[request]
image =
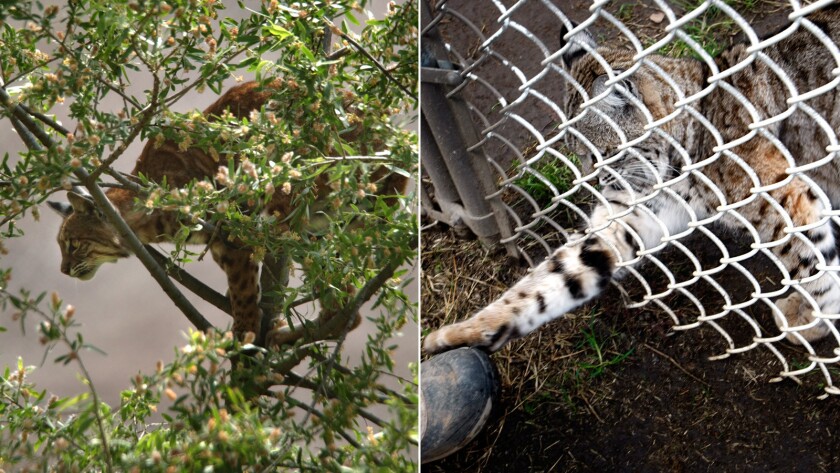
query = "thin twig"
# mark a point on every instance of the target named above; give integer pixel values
(119, 92)
(331, 363)
(34, 68)
(107, 185)
(359, 158)
(382, 389)
(320, 415)
(145, 117)
(364, 52)
(293, 380)
(675, 363)
(105, 443)
(178, 95)
(86, 376)
(46, 120)
(338, 53)
(304, 300)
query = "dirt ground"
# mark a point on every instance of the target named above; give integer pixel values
(615, 389)
(609, 388)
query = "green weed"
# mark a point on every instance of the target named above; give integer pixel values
(626, 12)
(712, 30)
(599, 355)
(554, 171)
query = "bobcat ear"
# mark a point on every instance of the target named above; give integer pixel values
(81, 203)
(575, 44)
(62, 208)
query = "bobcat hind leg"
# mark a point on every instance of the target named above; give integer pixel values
(802, 263)
(798, 312)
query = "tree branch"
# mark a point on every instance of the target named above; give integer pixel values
(28, 138)
(123, 179)
(46, 120)
(31, 128)
(111, 213)
(324, 329)
(138, 249)
(337, 54)
(191, 282)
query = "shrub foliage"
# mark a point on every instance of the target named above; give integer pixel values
(86, 50)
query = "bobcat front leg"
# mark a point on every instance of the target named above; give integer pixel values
(570, 276)
(243, 286)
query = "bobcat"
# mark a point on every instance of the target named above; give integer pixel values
(87, 240)
(682, 164)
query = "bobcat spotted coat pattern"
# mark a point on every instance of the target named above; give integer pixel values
(87, 240)
(574, 274)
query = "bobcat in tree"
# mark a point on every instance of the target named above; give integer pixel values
(693, 175)
(87, 239)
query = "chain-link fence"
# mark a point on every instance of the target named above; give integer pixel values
(540, 114)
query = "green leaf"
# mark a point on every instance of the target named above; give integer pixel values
(307, 52)
(352, 18)
(279, 32)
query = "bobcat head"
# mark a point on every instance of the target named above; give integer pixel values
(623, 97)
(616, 111)
(86, 238)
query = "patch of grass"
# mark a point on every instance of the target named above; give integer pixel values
(710, 30)
(551, 170)
(626, 12)
(744, 5)
(713, 29)
(598, 348)
(600, 353)
(583, 377)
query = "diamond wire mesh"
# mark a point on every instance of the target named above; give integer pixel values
(513, 84)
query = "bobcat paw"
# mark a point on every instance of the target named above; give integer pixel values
(482, 334)
(433, 343)
(455, 336)
(798, 312)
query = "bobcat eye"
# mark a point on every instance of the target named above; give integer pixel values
(73, 245)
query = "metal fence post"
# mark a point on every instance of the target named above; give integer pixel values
(461, 176)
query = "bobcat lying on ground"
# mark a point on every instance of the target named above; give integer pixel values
(87, 239)
(576, 273)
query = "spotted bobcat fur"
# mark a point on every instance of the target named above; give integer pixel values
(87, 239)
(679, 152)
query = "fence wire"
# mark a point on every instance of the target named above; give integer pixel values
(502, 61)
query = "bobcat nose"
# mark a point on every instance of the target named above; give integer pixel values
(65, 267)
